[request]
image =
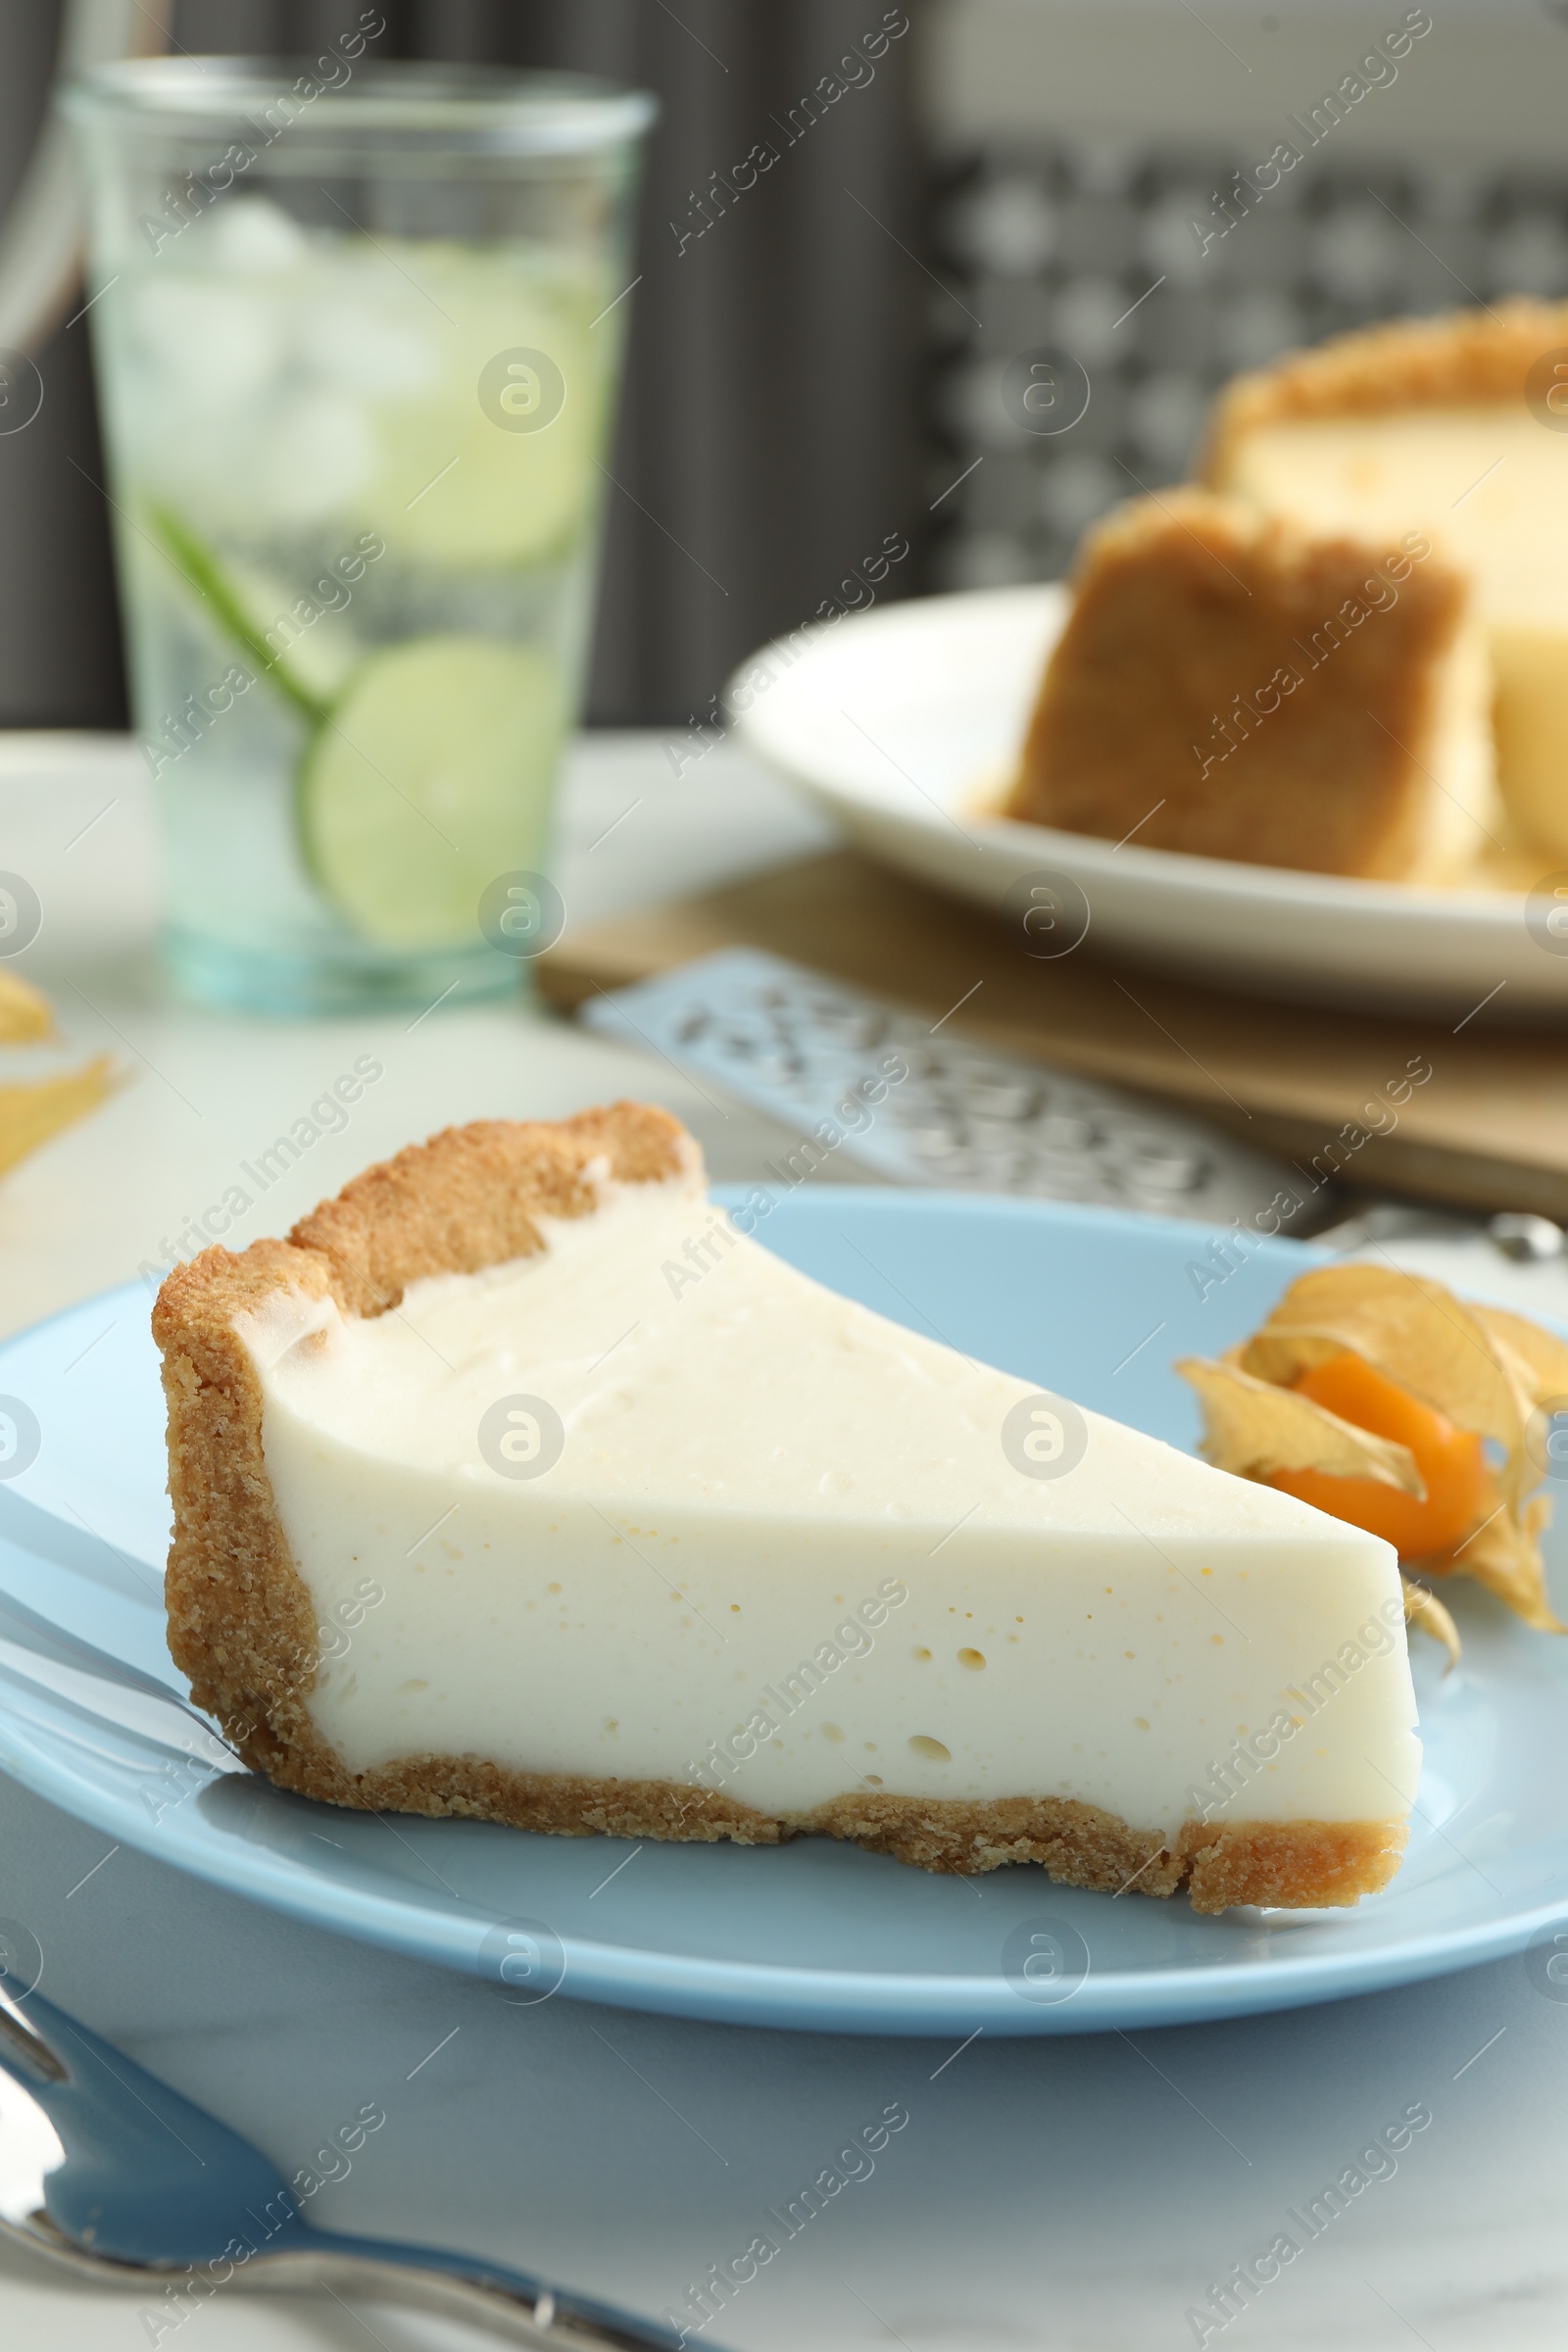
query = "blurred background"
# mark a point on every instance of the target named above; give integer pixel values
(816, 363)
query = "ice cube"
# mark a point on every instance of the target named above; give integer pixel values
(352, 345)
(208, 342)
(316, 454)
(251, 234)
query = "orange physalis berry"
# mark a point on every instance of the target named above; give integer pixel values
(1460, 1489)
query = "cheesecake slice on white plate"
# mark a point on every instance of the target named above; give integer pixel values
(518, 1483)
(1457, 427)
(1230, 684)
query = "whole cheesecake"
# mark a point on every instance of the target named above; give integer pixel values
(518, 1484)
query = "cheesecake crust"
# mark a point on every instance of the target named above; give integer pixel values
(1464, 360)
(241, 1623)
(1231, 686)
(1296, 1864)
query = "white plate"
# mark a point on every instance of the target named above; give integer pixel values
(900, 721)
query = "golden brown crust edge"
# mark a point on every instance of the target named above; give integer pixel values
(1466, 358)
(468, 1198)
(1299, 1864)
(241, 1624)
(1185, 604)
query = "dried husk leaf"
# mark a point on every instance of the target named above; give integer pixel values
(1252, 1427)
(1482, 1367)
(1538, 1359)
(1424, 1609)
(1406, 1326)
(25, 1015)
(30, 1114)
(1504, 1555)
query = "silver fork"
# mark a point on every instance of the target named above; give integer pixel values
(107, 2172)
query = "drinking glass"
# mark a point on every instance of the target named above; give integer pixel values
(358, 328)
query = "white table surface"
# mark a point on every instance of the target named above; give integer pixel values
(1078, 2194)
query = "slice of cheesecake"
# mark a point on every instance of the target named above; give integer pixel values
(1456, 427)
(519, 1484)
(1233, 686)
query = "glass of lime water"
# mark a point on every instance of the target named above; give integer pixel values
(359, 329)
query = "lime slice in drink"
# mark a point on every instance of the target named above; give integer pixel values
(319, 656)
(490, 463)
(427, 779)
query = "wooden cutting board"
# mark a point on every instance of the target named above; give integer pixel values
(1486, 1128)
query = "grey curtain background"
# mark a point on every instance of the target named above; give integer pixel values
(60, 660)
(770, 424)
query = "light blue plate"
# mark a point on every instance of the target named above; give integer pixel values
(812, 1935)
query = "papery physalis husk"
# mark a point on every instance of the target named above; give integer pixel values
(1403, 1325)
(25, 1015)
(1425, 1609)
(1480, 1367)
(30, 1114)
(1254, 1428)
(1504, 1554)
(1538, 1359)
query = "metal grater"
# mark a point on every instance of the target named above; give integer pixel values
(795, 1045)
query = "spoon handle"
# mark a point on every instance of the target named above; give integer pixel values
(503, 2302)
(499, 2301)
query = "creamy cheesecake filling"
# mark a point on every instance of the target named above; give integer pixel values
(1488, 484)
(784, 1552)
(1530, 663)
(1461, 759)
(1491, 486)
